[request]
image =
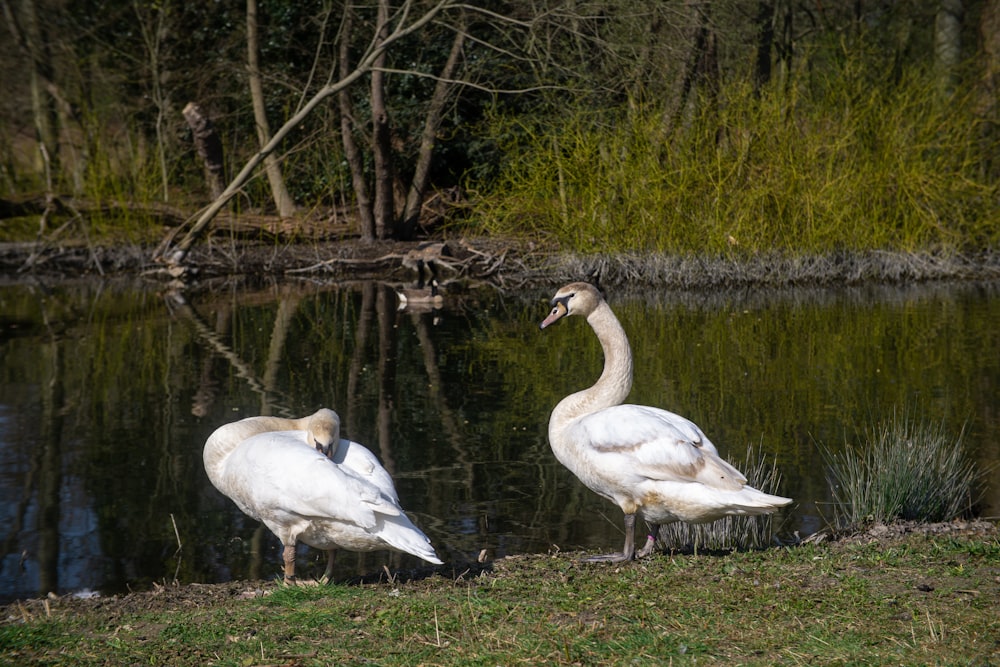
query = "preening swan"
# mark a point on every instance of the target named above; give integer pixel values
(306, 483)
(646, 460)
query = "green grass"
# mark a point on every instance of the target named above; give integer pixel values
(901, 469)
(913, 599)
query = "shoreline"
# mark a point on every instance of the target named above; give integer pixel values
(500, 261)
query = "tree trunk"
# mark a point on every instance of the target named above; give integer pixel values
(701, 67)
(988, 93)
(421, 174)
(381, 136)
(33, 40)
(765, 42)
(282, 199)
(209, 147)
(948, 43)
(366, 218)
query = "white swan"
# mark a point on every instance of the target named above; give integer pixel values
(306, 483)
(646, 460)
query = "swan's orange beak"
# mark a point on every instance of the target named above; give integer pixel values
(559, 311)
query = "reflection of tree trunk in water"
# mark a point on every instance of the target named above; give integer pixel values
(365, 318)
(279, 334)
(50, 472)
(385, 306)
(265, 386)
(204, 396)
(214, 341)
(257, 542)
(449, 423)
(171, 464)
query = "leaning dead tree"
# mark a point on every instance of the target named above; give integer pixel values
(209, 147)
(397, 26)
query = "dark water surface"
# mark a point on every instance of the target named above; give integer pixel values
(108, 391)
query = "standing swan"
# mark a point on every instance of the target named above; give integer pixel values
(307, 484)
(646, 460)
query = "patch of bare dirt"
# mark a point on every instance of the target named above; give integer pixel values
(900, 530)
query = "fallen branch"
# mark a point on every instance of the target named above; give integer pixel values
(342, 260)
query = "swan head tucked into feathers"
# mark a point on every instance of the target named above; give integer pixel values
(573, 299)
(324, 430)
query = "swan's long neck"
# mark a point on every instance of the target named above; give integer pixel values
(228, 437)
(616, 380)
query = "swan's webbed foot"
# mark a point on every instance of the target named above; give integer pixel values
(650, 546)
(628, 551)
(327, 577)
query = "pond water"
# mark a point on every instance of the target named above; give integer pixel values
(109, 389)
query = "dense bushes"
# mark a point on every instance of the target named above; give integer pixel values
(811, 169)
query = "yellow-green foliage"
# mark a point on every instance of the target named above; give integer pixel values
(837, 165)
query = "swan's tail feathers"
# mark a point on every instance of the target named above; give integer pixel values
(758, 502)
(400, 533)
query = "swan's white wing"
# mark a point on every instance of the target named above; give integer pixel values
(278, 474)
(358, 459)
(640, 442)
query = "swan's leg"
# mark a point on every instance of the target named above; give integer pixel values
(331, 554)
(627, 552)
(288, 555)
(650, 547)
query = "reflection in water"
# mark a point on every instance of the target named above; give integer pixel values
(109, 391)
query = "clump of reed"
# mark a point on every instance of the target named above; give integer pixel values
(732, 532)
(903, 469)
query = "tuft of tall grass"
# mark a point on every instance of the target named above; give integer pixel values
(904, 469)
(819, 167)
(121, 171)
(731, 532)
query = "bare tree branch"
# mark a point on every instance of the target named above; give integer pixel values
(178, 254)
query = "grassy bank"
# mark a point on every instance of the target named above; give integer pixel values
(896, 595)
